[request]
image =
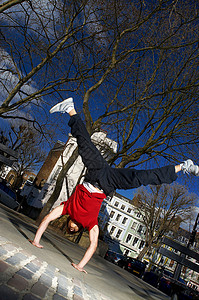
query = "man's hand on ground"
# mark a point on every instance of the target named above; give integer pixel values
(35, 244)
(78, 268)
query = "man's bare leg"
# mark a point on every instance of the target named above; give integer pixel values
(54, 214)
(72, 112)
(178, 168)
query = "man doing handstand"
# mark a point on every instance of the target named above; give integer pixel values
(84, 204)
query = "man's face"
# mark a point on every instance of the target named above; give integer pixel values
(72, 226)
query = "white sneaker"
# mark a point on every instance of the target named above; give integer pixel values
(189, 167)
(65, 106)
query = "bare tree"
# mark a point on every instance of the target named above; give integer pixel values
(162, 208)
(27, 142)
(139, 58)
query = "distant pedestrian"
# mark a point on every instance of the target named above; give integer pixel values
(100, 180)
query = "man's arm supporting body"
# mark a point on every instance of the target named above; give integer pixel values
(54, 214)
(93, 235)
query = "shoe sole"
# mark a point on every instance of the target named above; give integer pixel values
(69, 100)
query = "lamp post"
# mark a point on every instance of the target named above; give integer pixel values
(193, 233)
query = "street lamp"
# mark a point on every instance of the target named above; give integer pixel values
(193, 233)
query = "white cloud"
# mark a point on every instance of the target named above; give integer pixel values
(9, 78)
(37, 17)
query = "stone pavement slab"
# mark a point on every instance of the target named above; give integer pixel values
(29, 273)
(26, 277)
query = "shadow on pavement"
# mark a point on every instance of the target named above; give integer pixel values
(144, 293)
(16, 224)
(140, 290)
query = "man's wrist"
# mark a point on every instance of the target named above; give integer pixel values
(80, 265)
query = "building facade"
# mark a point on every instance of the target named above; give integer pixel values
(124, 231)
(122, 225)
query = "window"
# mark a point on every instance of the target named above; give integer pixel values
(108, 198)
(141, 245)
(118, 233)
(112, 214)
(134, 225)
(118, 217)
(138, 215)
(124, 220)
(112, 230)
(129, 236)
(135, 241)
(129, 210)
(11, 178)
(161, 260)
(56, 173)
(123, 207)
(140, 229)
(126, 252)
(116, 203)
(171, 263)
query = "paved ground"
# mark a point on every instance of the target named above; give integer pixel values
(29, 273)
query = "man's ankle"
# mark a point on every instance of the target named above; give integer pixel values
(178, 168)
(72, 112)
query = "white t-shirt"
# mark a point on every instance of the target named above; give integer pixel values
(91, 188)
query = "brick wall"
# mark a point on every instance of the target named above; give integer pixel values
(49, 163)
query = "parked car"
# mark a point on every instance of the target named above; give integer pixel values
(165, 285)
(165, 282)
(161, 279)
(151, 277)
(113, 257)
(133, 265)
(8, 196)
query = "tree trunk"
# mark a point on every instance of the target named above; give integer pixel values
(53, 198)
(17, 182)
(143, 252)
